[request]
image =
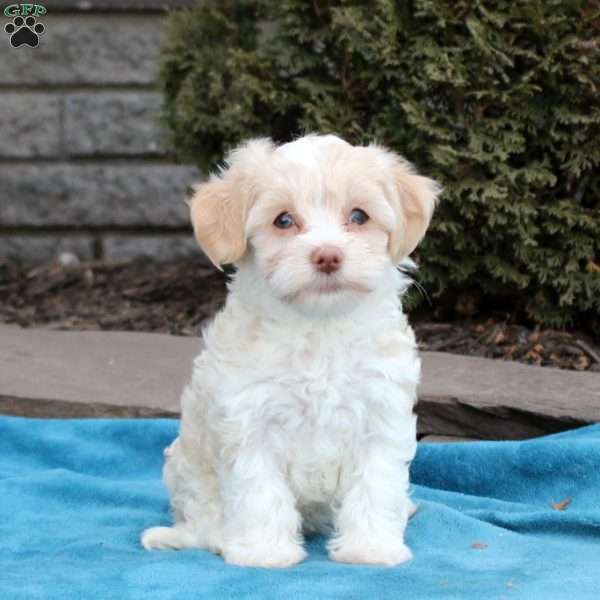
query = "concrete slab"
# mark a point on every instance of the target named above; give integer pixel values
(88, 374)
(492, 399)
(92, 373)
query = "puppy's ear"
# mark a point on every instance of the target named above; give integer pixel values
(219, 208)
(413, 205)
(219, 216)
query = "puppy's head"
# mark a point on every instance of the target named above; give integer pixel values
(321, 220)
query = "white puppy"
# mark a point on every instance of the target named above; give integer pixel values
(299, 415)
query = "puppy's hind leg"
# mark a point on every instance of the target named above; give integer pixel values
(195, 503)
(177, 537)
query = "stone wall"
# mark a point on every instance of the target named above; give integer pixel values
(83, 166)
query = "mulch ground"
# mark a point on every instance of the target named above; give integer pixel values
(177, 297)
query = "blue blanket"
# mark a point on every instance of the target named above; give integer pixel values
(75, 495)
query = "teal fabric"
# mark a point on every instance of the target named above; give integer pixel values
(75, 495)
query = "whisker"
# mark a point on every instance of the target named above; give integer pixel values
(405, 269)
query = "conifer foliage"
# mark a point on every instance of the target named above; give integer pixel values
(497, 99)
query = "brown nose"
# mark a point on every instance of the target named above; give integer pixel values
(327, 259)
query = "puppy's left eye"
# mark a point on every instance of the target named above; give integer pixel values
(358, 217)
(284, 221)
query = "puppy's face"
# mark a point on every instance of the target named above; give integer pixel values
(322, 220)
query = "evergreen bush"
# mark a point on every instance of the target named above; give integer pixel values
(497, 99)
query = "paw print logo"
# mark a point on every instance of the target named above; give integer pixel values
(24, 31)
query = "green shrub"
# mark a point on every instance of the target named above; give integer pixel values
(497, 99)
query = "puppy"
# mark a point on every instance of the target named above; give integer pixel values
(299, 415)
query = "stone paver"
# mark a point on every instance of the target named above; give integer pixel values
(135, 371)
(53, 373)
(491, 383)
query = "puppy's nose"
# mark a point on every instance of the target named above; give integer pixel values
(327, 259)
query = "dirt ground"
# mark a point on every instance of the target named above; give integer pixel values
(177, 297)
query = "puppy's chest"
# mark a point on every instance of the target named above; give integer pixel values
(310, 388)
(328, 392)
(327, 402)
(316, 399)
(322, 381)
(322, 376)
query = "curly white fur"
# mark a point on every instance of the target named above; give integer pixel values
(299, 415)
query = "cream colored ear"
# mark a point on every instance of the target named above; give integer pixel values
(219, 219)
(219, 208)
(414, 206)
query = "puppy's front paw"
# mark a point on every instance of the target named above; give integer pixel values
(369, 553)
(264, 555)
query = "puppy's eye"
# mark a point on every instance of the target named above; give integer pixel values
(284, 221)
(358, 217)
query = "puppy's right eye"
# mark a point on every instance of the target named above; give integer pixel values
(284, 221)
